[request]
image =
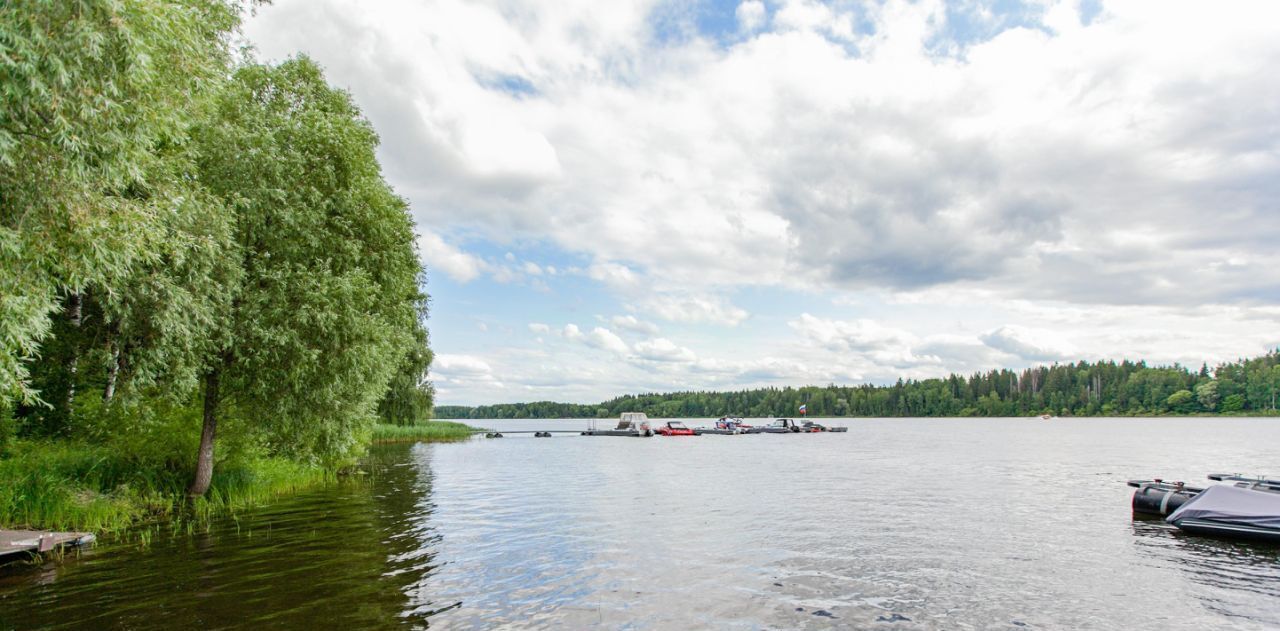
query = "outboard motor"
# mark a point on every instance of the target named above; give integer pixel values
(1159, 498)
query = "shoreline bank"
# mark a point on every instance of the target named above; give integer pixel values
(75, 485)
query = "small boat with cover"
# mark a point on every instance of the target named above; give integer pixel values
(1249, 508)
(1231, 511)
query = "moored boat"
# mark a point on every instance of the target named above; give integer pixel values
(1231, 511)
(727, 425)
(1249, 508)
(778, 426)
(635, 424)
(675, 428)
(811, 426)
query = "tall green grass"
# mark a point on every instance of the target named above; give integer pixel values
(430, 431)
(111, 485)
(70, 485)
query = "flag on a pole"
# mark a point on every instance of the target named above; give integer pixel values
(804, 409)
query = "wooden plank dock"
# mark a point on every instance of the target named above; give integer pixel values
(17, 544)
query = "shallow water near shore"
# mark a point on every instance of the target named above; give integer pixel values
(898, 524)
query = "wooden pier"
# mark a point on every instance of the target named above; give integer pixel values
(18, 544)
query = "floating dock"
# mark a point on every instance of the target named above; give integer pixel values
(19, 544)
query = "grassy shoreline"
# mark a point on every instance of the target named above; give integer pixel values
(76, 485)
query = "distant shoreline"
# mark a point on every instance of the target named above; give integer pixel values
(1262, 414)
(1245, 387)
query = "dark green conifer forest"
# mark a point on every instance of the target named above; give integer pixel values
(1103, 388)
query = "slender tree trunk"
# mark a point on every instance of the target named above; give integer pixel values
(113, 367)
(74, 314)
(204, 462)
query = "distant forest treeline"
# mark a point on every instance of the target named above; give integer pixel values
(1080, 389)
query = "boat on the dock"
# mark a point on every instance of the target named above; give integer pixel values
(634, 424)
(778, 426)
(727, 426)
(21, 544)
(675, 428)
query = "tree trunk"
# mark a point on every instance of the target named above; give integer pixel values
(113, 367)
(74, 311)
(204, 462)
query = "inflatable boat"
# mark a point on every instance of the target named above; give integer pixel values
(1248, 508)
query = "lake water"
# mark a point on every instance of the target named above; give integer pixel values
(898, 524)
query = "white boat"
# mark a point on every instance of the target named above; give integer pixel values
(634, 424)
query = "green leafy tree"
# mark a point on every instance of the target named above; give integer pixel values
(329, 296)
(89, 90)
(1232, 403)
(1180, 401)
(1207, 395)
(409, 396)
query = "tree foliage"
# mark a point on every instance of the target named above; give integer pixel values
(329, 298)
(185, 231)
(1079, 389)
(91, 91)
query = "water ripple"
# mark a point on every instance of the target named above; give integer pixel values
(899, 524)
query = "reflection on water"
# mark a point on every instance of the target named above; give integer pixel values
(1238, 579)
(344, 556)
(899, 524)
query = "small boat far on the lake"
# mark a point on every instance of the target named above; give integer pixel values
(810, 426)
(1249, 508)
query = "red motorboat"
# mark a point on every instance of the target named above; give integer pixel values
(675, 428)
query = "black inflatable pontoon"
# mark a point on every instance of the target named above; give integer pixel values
(1159, 498)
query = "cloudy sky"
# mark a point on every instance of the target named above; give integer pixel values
(633, 196)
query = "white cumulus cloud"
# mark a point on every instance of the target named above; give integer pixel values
(663, 350)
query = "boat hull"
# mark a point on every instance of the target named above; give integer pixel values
(1228, 529)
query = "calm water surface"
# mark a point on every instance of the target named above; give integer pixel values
(898, 524)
